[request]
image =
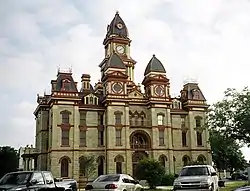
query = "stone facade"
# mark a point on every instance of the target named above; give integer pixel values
(116, 121)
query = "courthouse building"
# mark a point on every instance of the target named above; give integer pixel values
(115, 120)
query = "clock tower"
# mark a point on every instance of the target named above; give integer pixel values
(117, 41)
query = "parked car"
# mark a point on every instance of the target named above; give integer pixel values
(197, 177)
(114, 182)
(34, 180)
(239, 176)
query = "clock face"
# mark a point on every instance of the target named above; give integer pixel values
(117, 87)
(120, 49)
(119, 26)
(159, 90)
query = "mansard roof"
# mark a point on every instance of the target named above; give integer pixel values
(117, 27)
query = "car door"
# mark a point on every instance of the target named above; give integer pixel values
(37, 182)
(49, 181)
(127, 183)
(214, 178)
(133, 182)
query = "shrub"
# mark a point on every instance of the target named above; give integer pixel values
(167, 180)
(150, 170)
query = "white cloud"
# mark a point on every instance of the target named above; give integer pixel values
(208, 39)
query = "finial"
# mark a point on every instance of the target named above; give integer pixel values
(117, 12)
(153, 55)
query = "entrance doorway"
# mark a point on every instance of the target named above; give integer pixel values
(136, 157)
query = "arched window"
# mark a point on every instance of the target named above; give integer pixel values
(65, 166)
(185, 160)
(140, 140)
(201, 159)
(162, 160)
(100, 162)
(119, 160)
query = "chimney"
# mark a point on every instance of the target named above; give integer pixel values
(85, 82)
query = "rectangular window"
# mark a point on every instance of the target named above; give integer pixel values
(65, 137)
(160, 119)
(65, 118)
(100, 119)
(184, 139)
(101, 137)
(118, 167)
(82, 138)
(91, 100)
(199, 138)
(118, 119)
(83, 118)
(142, 121)
(161, 137)
(198, 123)
(118, 137)
(182, 122)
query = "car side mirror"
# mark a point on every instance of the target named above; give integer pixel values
(136, 182)
(32, 182)
(176, 175)
(213, 174)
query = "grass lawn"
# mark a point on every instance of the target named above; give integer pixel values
(230, 186)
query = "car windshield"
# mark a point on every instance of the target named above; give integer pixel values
(194, 171)
(108, 178)
(16, 178)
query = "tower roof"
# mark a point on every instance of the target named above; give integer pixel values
(115, 62)
(117, 27)
(154, 65)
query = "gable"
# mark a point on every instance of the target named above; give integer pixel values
(118, 74)
(135, 94)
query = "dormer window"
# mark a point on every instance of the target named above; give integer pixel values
(91, 100)
(66, 85)
(196, 94)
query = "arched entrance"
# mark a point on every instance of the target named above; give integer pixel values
(136, 157)
(140, 140)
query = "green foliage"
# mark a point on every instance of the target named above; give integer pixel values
(195, 163)
(88, 166)
(150, 170)
(226, 152)
(231, 116)
(8, 160)
(167, 180)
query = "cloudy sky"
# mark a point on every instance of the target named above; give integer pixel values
(208, 40)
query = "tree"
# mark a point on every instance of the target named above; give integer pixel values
(88, 166)
(226, 152)
(231, 116)
(150, 170)
(8, 160)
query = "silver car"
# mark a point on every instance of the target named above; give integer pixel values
(113, 182)
(197, 177)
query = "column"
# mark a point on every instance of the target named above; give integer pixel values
(170, 145)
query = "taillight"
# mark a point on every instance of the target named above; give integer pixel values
(88, 187)
(110, 186)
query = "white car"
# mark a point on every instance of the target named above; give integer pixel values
(112, 182)
(197, 177)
